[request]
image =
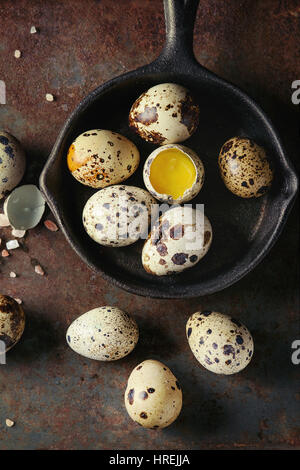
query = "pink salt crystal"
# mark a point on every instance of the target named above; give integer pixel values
(19, 301)
(39, 270)
(4, 253)
(51, 225)
(12, 274)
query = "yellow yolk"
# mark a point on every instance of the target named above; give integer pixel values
(172, 172)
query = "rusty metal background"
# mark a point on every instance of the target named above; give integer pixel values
(60, 400)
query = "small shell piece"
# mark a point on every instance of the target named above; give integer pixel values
(164, 114)
(100, 158)
(219, 342)
(153, 397)
(24, 207)
(12, 163)
(12, 321)
(179, 240)
(173, 173)
(104, 334)
(245, 168)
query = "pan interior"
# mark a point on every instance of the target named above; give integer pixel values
(241, 227)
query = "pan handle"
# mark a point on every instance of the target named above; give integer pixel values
(180, 17)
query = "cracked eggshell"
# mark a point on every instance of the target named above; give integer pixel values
(166, 113)
(245, 168)
(153, 397)
(12, 163)
(100, 158)
(104, 334)
(179, 240)
(118, 216)
(24, 207)
(219, 342)
(189, 193)
(12, 322)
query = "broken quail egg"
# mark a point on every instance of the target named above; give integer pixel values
(118, 215)
(12, 322)
(219, 342)
(173, 174)
(153, 397)
(24, 207)
(12, 163)
(179, 240)
(245, 168)
(166, 113)
(104, 334)
(99, 158)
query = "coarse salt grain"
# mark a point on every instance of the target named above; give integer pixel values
(9, 423)
(4, 222)
(49, 97)
(33, 30)
(39, 270)
(51, 225)
(19, 301)
(12, 244)
(4, 253)
(18, 233)
(12, 274)
(17, 54)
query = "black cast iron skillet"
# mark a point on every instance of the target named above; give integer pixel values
(244, 229)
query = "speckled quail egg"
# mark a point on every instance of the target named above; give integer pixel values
(178, 240)
(119, 215)
(245, 168)
(219, 342)
(173, 174)
(164, 114)
(12, 322)
(12, 163)
(104, 334)
(99, 158)
(153, 397)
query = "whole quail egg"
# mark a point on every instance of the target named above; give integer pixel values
(119, 215)
(178, 240)
(173, 173)
(12, 322)
(99, 158)
(153, 397)
(104, 334)
(245, 168)
(12, 163)
(219, 342)
(166, 113)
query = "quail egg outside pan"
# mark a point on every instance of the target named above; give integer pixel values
(244, 230)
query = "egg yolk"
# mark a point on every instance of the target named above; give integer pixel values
(172, 172)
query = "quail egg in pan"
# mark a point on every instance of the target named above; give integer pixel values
(119, 215)
(12, 322)
(173, 173)
(245, 168)
(178, 241)
(153, 397)
(104, 334)
(12, 163)
(219, 342)
(166, 113)
(100, 158)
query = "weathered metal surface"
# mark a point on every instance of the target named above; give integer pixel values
(60, 400)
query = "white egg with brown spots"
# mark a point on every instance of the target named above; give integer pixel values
(12, 322)
(219, 342)
(245, 168)
(119, 215)
(104, 334)
(166, 113)
(173, 173)
(179, 240)
(153, 396)
(100, 158)
(12, 163)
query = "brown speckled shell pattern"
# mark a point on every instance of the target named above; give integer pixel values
(166, 113)
(104, 334)
(219, 342)
(110, 158)
(245, 168)
(153, 396)
(190, 193)
(12, 321)
(12, 163)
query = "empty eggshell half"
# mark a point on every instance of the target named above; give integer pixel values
(24, 207)
(173, 173)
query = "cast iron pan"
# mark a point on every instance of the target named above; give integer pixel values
(244, 229)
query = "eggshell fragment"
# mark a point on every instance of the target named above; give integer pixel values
(104, 334)
(153, 396)
(12, 321)
(12, 162)
(219, 342)
(166, 113)
(24, 207)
